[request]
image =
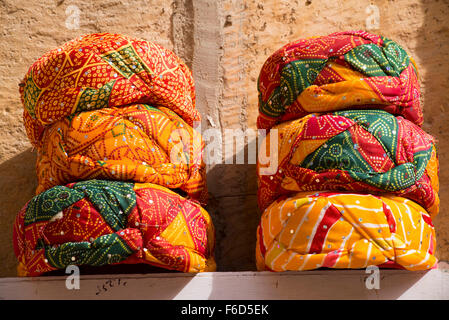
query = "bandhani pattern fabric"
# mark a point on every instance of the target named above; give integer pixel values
(352, 150)
(330, 230)
(98, 222)
(137, 143)
(103, 70)
(344, 70)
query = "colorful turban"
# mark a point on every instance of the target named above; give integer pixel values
(136, 143)
(344, 70)
(310, 231)
(99, 222)
(353, 150)
(104, 70)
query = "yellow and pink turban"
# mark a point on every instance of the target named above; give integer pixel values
(344, 230)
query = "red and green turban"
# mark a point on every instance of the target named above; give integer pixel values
(344, 70)
(98, 222)
(352, 150)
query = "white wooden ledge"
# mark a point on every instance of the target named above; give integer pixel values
(325, 284)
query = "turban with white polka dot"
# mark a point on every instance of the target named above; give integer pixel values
(98, 222)
(344, 230)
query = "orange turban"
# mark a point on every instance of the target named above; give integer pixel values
(134, 143)
(104, 70)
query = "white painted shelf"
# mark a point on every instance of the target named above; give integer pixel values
(320, 284)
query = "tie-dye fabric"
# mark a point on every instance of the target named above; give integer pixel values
(137, 143)
(104, 70)
(315, 230)
(344, 70)
(353, 150)
(98, 222)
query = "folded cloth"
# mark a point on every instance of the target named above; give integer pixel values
(314, 230)
(137, 143)
(344, 70)
(100, 222)
(104, 70)
(353, 150)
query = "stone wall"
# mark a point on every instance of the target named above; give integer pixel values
(225, 44)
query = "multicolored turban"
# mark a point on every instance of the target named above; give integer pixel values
(104, 70)
(309, 231)
(344, 70)
(353, 150)
(98, 222)
(136, 143)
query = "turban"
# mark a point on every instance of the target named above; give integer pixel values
(309, 231)
(136, 143)
(104, 70)
(344, 70)
(98, 222)
(353, 150)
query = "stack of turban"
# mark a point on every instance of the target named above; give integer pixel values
(121, 176)
(356, 178)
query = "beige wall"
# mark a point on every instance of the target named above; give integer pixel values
(225, 43)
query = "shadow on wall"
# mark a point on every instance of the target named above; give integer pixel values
(432, 51)
(233, 208)
(17, 186)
